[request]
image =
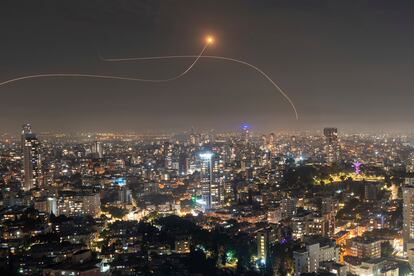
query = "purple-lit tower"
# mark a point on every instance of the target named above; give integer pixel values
(357, 167)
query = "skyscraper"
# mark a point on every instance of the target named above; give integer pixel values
(331, 144)
(97, 149)
(408, 212)
(210, 182)
(124, 195)
(262, 246)
(31, 158)
(245, 134)
(271, 142)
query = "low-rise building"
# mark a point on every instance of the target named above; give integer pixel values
(364, 247)
(316, 251)
(374, 267)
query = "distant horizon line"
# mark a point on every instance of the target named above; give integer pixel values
(309, 131)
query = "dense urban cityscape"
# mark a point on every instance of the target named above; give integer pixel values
(206, 137)
(209, 203)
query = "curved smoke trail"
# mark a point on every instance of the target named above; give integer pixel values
(287, 98)
(197, 57)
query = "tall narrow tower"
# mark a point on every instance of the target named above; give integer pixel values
(262, 246)
(408, 212)
(210, 184)
(331, 144)
(97, 149)
(31, 158)
(245, 134)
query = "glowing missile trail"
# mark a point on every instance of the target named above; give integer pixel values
(209, 41)
(288, 99)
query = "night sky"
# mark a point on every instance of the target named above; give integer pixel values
(347, 64)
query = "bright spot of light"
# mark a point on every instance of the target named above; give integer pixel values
(210, 39)
(206, 155)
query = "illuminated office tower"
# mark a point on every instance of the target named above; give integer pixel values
(47, 205)
(31, 158)
(331, 144)
(210, 182)
(97, 149)
(262, 246)
(264, 141)
(52, 206)
(271, 141)
(288, 206)
(408, 212)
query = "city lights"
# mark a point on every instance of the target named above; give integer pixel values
(124, 150)
(206, 155)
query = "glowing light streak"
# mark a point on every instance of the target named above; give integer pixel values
(209, 40)
(97, 76)
(257, 69)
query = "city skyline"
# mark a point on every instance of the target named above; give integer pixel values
(206, 137)
(341, 203)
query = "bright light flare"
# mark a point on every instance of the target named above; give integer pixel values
(210, 39)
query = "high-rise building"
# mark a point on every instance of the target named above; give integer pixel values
(245, 134)
(262, 246)
(72, 203)
(47, 205)
(271, 139)
(318, 225)
(288, 206)
(331, 144)
(124, 195)
(409, 249)
(31, 158)
(210, 182)
(410, 163)
(52, 205)
(329, 205)
(408, 212)
(97, 149)
(183, 164)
